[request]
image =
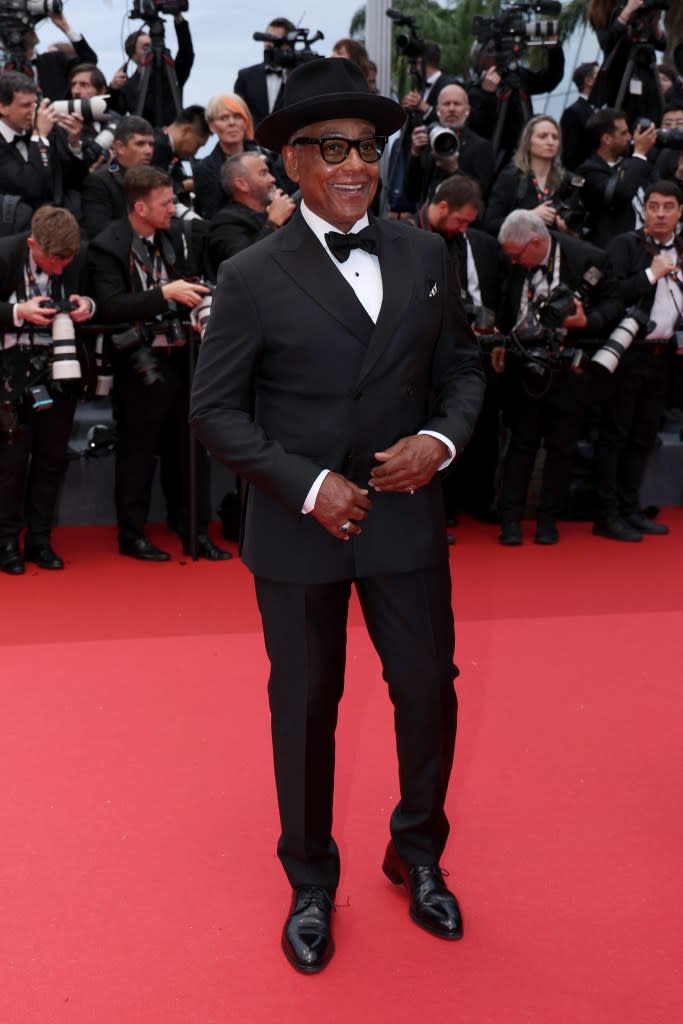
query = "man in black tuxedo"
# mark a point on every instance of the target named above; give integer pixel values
(261, 85)
(427, 167)
(614, 182)
(336, 363)
(176, 143)
(35, 161)
(649, 268)
(143, 274)
(547, 405)
(50, 71)
(86, 82)
(37, 395)
(576, 142)
(103, 198)
(456, 205)
(255, 209)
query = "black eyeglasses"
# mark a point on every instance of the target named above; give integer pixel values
(334, 149)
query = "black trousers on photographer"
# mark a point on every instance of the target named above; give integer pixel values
(32, 465)
(152, 422)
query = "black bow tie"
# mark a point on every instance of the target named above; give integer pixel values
(341, 245)
(274, 71)
(665, 248)
(22, 138)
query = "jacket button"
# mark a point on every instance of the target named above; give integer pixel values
(359, 394)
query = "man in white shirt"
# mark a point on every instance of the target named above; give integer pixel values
(337, 376)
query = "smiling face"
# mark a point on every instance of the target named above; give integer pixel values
(339, 193)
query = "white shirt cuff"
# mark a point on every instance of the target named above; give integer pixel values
(309, 503)
(640, 156)
(449, 445)
(650, 276)
(18, 322)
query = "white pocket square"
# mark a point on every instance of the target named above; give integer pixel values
(433, 291)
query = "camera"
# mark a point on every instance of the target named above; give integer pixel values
(623, 335)
(443, 141)
(670, 138)
(105, 379)
(408, 45)
(65, 361)
(514, 28)
(100, 145)
(290, 50)
(22, 382)
(134, 342)
(199, 315)
(16, 16)
(90, 110)
(567, 201)
(150, 10)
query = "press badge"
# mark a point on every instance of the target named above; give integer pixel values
(636, 87)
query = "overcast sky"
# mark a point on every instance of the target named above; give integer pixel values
(221, 32)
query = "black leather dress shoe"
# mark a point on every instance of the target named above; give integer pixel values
(647, 525)
(546, 531)
(208, 550)
(432, 905)
(617, 529)
(511, 534)
(307, 935)
(43, 556)
(10, 559)
(142, 548)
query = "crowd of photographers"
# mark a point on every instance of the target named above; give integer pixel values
(565, 237)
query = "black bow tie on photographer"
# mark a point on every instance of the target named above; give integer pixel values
(274, 71)
(341, 245)
(665, 248)
(21, 138)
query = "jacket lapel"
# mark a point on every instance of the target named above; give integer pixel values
(396, 298)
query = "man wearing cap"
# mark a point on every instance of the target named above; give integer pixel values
(337, 376)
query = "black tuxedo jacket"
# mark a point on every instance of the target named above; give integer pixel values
(250, 84)
(115, 285)
(234, 228)
(608, 194)
(488, 264)
(630, 258)
(102, 200)
(605, 305)
(13, 252)
(293, 377)
(576, 143)
(31, 179)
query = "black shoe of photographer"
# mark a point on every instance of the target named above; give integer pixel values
(43, 556)
(208, 550)
(511, 533)
(647, 525)
(307, 935)
(432, 905)
(546, 531)
(617, 528)
(142, 549)
(10, 560)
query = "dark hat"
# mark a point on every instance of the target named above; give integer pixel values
(323, 89)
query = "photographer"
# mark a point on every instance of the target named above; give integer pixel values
(142, 273)
(649, 267)
(503, 79)
(86, 82)
(547, 399)
(456, 149)
(179, 142)
(261, 85)
(576, 143)
(35, 160)
(613, 180)
(629, 32)
(103, 198)
(670, 160)
(125, 91)
(35, 270)
(50, 70)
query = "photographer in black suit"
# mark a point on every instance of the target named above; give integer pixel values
(547, 405)
(649, 268)
(103, 199)
(142, 271)
(50, 71)
(576, 143)
(261, 85)
(35, 425)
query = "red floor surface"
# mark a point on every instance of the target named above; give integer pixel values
(138, 881)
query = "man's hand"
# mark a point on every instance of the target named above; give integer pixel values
(413, 101)
(491, 80)
(644, 139)
(449, 164)
(35, 311)
(545, 212)
(119, 79)
(418, 140)
(339, 502)
(73, 126)
(408, 464)
(281, 207)
(661, 265)
(60, 21)
(189, 293)
(578, 318)
(83, 310)
(498, 358)
(45, 118)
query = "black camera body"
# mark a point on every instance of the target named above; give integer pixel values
(17, 16)
(669, 138)
(290, 50)
(639, 26)
(513, 29)
(151, 10)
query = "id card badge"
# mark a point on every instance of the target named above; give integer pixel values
(636, 87)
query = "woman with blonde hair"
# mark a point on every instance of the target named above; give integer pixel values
(229, 118)
(533, 178)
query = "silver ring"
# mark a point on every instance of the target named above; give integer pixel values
(412, 491)
(345, 526)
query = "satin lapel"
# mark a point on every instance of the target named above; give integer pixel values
(397, 289)
(311, 269)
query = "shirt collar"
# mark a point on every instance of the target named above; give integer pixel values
(320, 227)
(7, 132)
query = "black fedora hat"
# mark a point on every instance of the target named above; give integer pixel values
(323, 89)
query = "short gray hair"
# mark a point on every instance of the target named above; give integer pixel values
(522, 226)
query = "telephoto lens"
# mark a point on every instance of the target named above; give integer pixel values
(621, 338)
(105, 380)
(199, 316)
(90, 110)
(65, 364)
(443, 141)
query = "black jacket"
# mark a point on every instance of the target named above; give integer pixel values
(608, 194)
(577, 145)
(125, 100)
(233, 228)
(54, 66)
(631, 255)
(102, 199)
(617, 45)
(250, 84)
(475, 158)
(38, 181)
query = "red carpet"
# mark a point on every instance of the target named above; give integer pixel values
(138, 881)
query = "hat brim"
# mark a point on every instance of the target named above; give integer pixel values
(386, 115)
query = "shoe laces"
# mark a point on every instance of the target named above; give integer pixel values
(314, 895)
